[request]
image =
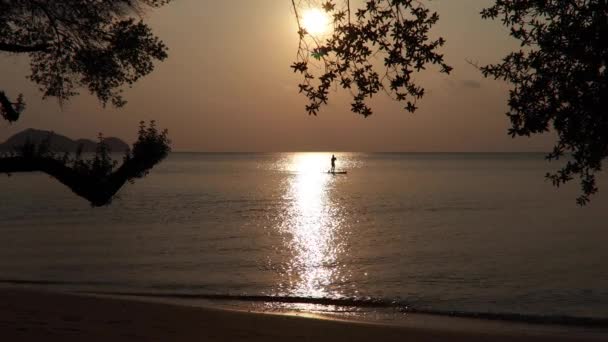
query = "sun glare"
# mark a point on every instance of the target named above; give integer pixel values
(315, 21)
(313, 228)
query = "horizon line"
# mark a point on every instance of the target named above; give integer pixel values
(379, 152)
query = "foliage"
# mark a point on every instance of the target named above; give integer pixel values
(395, 30)
(150, 148)
(10, 111)
(98, 45)
(559, 80)
(96, 179)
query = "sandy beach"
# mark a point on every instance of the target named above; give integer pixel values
(27, 315)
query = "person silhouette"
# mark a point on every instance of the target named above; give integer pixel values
(333, 163)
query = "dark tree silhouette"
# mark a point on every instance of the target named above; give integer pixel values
(559, 80)
(396, 32)
(96, 179)
(559, 76)
(98, 45)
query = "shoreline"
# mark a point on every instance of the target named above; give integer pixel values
(322, 305)
(378, 304)
(32, 315)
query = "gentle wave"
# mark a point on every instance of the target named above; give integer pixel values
(365, 302)
(52, 282)
(377, 303)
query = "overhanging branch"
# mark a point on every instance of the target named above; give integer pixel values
(8, 110)
(99, 191)
(16, 48)
(94, 179)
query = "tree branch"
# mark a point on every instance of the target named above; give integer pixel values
(98, 191)
(8, 110)
(16, 48)
(93, 179)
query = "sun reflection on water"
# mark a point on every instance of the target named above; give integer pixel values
(312, 226)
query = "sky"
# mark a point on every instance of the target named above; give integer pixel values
(227, 86)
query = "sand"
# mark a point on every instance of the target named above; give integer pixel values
(27, 315)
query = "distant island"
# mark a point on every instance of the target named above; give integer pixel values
(59, 143)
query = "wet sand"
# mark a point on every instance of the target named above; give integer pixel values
(27, 315)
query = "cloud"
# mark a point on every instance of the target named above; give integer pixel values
(470, 84)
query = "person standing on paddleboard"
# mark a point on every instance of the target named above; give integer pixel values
(333, 163)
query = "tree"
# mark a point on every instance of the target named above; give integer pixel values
(97, 179)
(93, 44)
(559, 76)
(559, 80)
(395, 31)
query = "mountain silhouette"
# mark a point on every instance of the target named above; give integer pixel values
(58, 142)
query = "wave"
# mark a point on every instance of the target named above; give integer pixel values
(51, 282)
(347, 302)
(377, 303)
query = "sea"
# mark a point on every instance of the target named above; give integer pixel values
(480, 235)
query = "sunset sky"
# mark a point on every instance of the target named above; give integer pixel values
(227, 86)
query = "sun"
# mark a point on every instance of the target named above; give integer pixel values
(315, 21)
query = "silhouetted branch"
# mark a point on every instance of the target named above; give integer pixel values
(8, 110)
(100, 46)
(95, 179)
(16, 48)
(559, 80)
(97, 45)
(472, 63)
(395, 31)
